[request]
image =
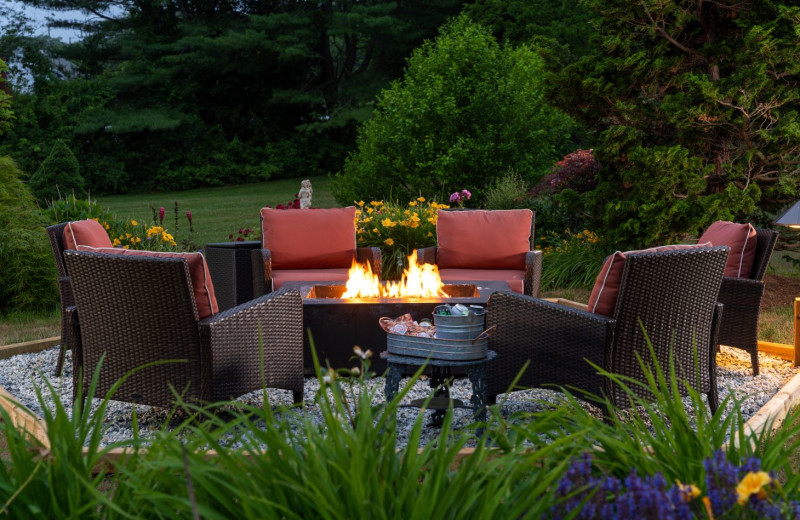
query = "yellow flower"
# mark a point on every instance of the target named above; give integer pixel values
(106, 226)
(375, 230)
(412, 203)
(126, 246)
(421, 199)
(753, 484)
(134, 223)
(688, 491)
(376, 203)
(432, 220)
(429, 234)
(116, 242)
(370, 210)
(387, 222)
(389, 242)
(360, 202)
(127, 235)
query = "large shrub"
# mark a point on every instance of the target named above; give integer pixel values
(695, 105)
(465, 112)
(28, 273)
(59, 173)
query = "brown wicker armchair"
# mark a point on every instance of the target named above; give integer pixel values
(475, 239)
(672, 294)
(56, 234)
(133, 310)
(742, 300)
(310, 245)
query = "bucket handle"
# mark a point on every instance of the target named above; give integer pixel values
(486, 334)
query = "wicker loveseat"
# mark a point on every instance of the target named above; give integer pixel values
(671, 294)
(134, 310)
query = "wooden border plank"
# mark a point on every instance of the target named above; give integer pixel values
(28, 347)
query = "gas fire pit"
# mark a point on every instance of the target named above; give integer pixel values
(337, 324)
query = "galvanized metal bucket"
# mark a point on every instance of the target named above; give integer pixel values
(465, 326)
(441, 349)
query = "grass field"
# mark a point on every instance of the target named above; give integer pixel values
(216, 212)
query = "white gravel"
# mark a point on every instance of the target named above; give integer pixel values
(20, 375)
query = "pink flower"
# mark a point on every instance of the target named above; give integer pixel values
(161, 214)
(189, 216)
(455, 197)
(466, 194)
(279, 206)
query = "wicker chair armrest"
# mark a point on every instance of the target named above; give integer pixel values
(261, 260)
(75, 344)
(231, 340)
(742, 300)
(568, 303)
(426, 255)
(533, 273)
(555, 338)
(371, 256)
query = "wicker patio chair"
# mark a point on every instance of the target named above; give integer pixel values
(484, 245)
(133, 310)
(742, 300)
(56, 234)
(672, 294)
(309, 245)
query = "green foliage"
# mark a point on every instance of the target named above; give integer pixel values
(59, 173)
(5, 100)
(28, 274)
(506, 192)
(696, 110)
(571, 260)
(69, 208)
(172, 95)
(348, 465)
(465, 111)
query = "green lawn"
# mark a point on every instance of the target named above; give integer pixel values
(216, 212)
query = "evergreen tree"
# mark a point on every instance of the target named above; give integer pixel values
(58, 175)
(696, 109)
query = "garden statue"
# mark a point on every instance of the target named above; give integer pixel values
(305, 194)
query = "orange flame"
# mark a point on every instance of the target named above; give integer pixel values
(418, 281)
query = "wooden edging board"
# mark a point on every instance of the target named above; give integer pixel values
(770, 415)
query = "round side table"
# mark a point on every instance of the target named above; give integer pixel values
(440, 373)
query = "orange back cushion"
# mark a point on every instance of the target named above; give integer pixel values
(309, 238)
(603, 299)
(85, 233)
(741, 238)
(483, 239)
(203, 288)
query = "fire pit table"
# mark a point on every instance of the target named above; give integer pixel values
(441, 373)
(337, 324)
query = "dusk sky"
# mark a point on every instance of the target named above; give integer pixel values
(40, 15)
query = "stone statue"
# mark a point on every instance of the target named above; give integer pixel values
(305, 194)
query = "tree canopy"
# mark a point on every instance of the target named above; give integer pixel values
(465, 111)
(695, 105)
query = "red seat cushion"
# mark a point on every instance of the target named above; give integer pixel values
(483, 239)
(309, 238)
(203, 288)
(513, 277)
(308, 275)
(603, 299)
(85, 233)
(741, 238)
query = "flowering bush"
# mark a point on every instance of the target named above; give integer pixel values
(460, 197)
(244, 234)
(397, 229)
(728, 491)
